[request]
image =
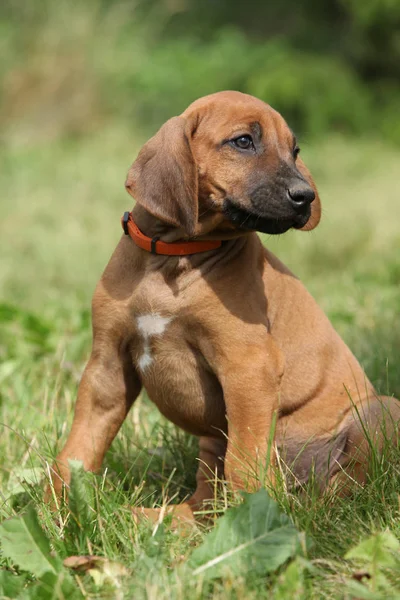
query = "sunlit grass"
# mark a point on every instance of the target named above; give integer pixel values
(61, 204)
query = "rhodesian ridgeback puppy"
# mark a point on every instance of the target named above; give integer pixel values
(225, 339)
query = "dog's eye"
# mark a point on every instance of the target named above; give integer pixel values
(244, 142)
(296, 151)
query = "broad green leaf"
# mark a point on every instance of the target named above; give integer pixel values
(377, 550)
(24, 542)
(377, 554)
(361, 592)
(253, 537)
(10, 584)
(20, 477)
(58, 586)
(292, 582)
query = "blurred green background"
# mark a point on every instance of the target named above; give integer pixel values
(70, 68)
(84, 84)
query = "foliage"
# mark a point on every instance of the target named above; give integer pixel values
(378, 558)
(254, 537)
(82, 84)
(331, 66)
(24, 542)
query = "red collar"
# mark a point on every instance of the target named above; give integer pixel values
(170, 249)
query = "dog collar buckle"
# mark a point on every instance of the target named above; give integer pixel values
(153, 243)
(124, 222)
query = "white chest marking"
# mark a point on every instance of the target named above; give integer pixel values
(149, 325)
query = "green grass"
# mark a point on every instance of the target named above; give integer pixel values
(61, 205)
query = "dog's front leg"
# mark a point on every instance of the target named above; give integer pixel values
(251, 382)
(107, 390)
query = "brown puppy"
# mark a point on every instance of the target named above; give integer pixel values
(224, 340)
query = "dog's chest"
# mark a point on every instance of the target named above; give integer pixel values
(151, 335)
(175, 375)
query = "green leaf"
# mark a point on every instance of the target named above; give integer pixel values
(292, 582)
(377, 554)
(52, 586)
(361, 592)
(253, 537)
(24, 542)
(80, 498)
(10, 584)
(378, 550)
(20, 478)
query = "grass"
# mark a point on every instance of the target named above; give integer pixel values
(61, 203)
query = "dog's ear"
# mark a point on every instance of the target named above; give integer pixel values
(316, 204)
(163, 178)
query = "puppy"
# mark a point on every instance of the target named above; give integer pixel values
(225, 339)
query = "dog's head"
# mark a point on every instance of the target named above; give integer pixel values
(231, 155)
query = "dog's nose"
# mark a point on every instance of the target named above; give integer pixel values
(300, 195)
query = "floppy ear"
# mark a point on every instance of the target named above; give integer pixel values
(163, 178)
(316, 204)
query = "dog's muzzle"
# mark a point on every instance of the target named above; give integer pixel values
(252, 220)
